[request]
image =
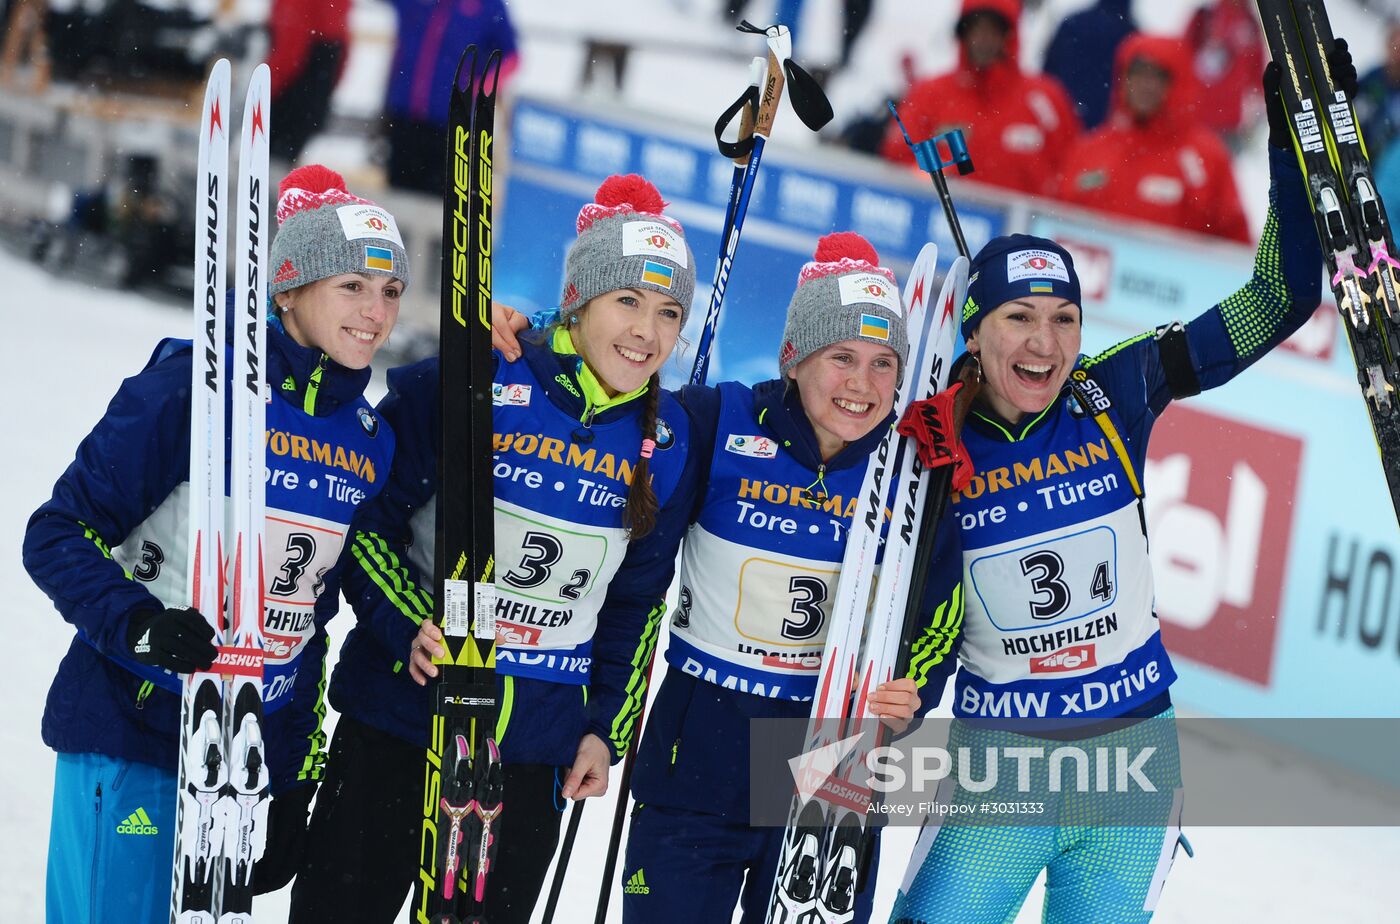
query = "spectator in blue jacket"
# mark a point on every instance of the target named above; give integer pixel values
(431, 37)
(110, 549)
(1081, 54)
(1378, 98)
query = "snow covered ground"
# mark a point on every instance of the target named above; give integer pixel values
(68, 348)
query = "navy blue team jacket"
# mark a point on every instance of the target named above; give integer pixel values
(112, 536)
(551, 698)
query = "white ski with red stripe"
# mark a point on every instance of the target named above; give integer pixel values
(806, 845)
(241, 663)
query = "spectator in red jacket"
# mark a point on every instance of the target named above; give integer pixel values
(1152, 160)
(1228, 44)
(1018, 125)
(309, 43)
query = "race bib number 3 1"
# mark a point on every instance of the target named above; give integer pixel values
(1050, 582)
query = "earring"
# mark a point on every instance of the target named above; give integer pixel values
(978, 360)
(573, 319)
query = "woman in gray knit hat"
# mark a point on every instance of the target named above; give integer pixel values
(782, 465)
(593, 486)
(111, 548)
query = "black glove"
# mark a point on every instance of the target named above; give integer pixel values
(286, 840)
(178, 638)
(1343, 77)
(1343, 69)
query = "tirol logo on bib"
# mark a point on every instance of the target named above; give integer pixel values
(869, 289)
(363, 220)
(653, 239)
(757, 447)
(513, 395)
(1035, 264)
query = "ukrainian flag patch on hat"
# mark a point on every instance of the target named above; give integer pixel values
(657, 274)
(874, 327)
(1042, 287)
(379, 258)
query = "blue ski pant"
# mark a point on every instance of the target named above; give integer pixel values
(685, 867)
(111, 841)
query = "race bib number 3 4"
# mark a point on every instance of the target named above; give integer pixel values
(1050, 582)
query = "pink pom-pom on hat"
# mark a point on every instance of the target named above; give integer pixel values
(621, 194)
(311, 187)
(843, 252)
(843, 294)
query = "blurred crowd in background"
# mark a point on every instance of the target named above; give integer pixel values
(1114, 119)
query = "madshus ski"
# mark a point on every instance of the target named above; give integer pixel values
(463, 778)
(826, 854)
(817, 875)
(221, 817)
(1351, 219)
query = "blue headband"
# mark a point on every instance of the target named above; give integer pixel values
(1017, 266)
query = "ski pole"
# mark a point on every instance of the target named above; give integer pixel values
(741, 151)
(813, 108)
(566, 850)
(930, 159)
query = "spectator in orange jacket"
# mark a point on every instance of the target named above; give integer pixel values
(1018, 125)
(1152, 160)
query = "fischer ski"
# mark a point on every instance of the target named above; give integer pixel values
(1351, 219)
(222, 811)
(463, 793)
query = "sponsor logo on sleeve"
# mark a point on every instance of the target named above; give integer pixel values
(510, 395)
(756, 447)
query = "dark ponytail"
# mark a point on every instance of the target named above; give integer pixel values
(640, 514)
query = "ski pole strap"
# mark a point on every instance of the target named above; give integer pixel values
(929, 422)
(735, 150)
(1094, 400)
(808, 99)
(1175, 356)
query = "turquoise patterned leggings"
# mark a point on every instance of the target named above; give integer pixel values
(970, 873)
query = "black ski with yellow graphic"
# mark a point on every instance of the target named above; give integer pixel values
(463, 786)
(1351, 219)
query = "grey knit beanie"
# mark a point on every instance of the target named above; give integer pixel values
(624, 242)
(843, 294)
(324, 231)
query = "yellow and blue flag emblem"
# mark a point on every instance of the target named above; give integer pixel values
(658, 274)
(379, 258)
(874, 327)
(1042, 288)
